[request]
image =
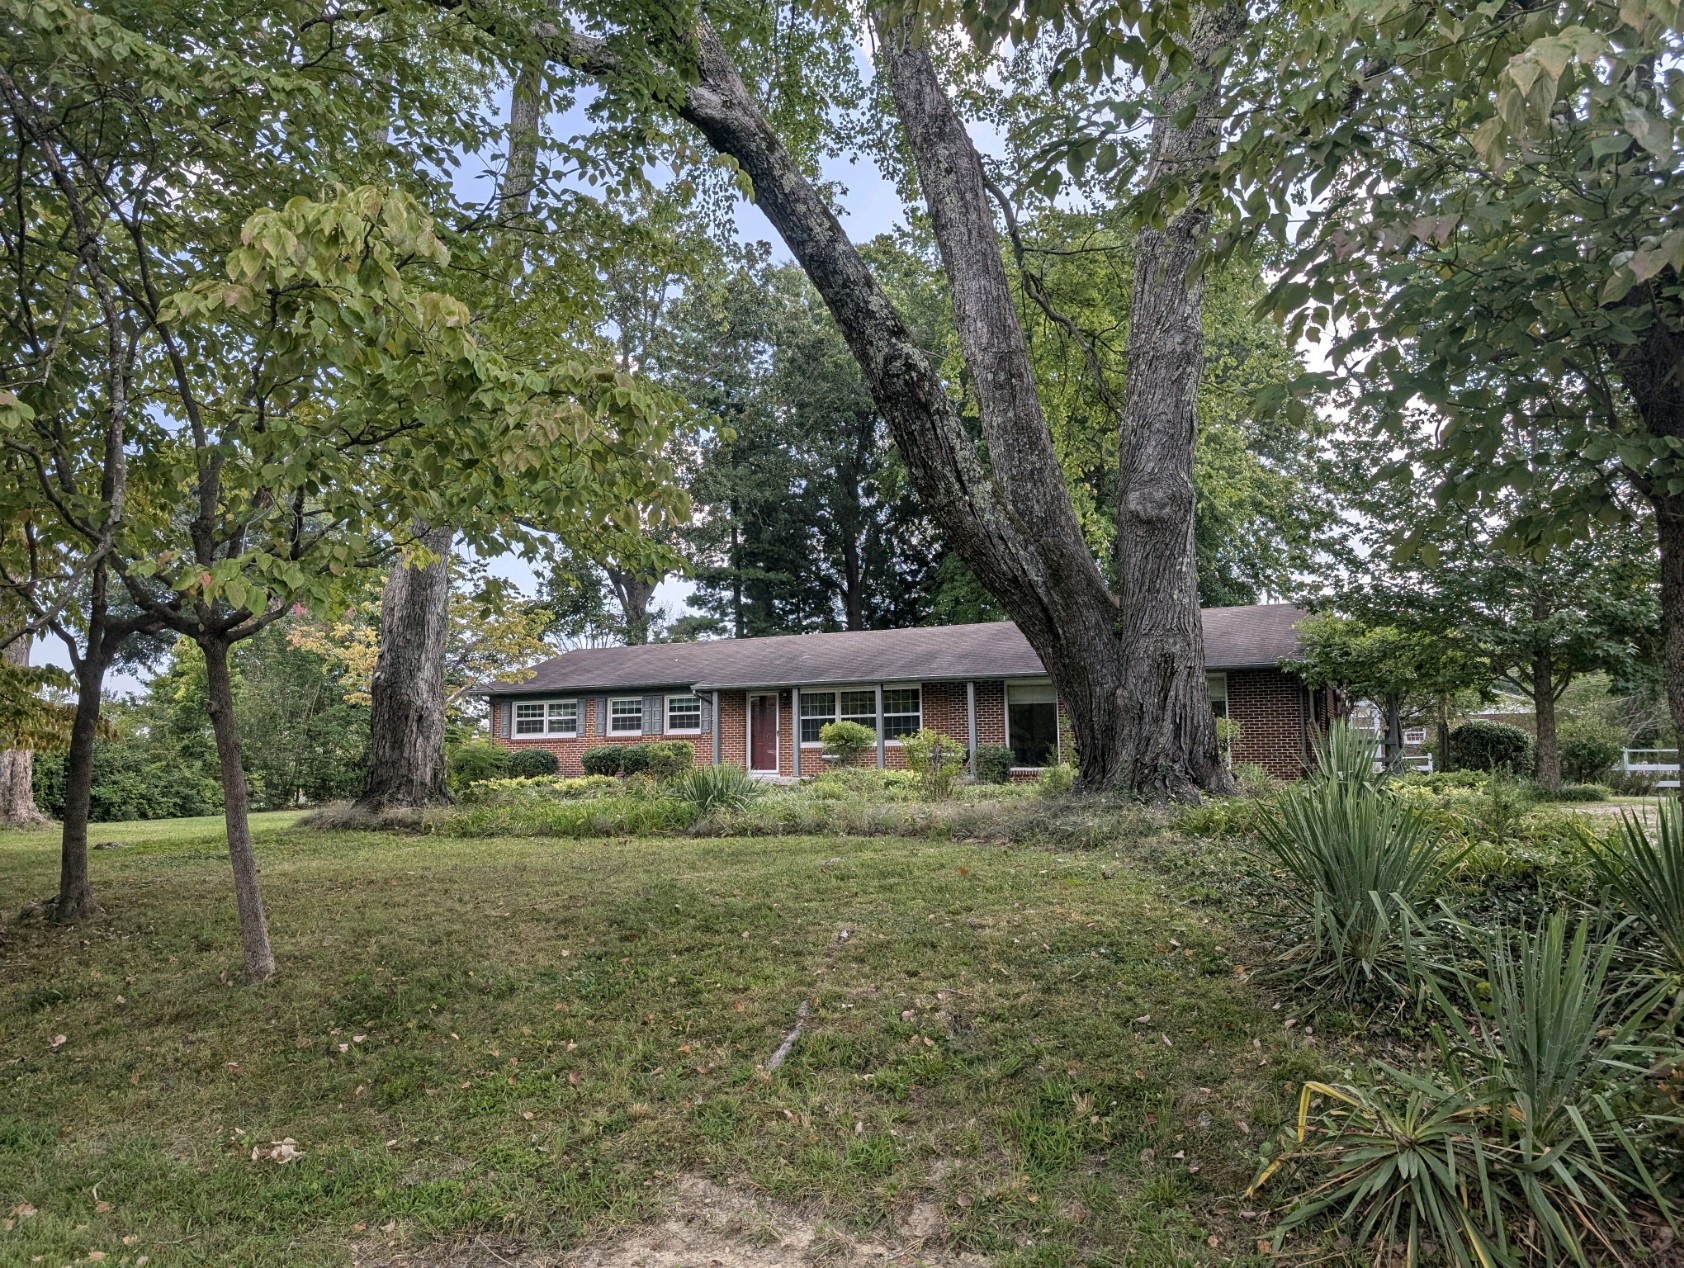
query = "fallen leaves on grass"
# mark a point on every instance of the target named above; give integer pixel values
(278, 1151)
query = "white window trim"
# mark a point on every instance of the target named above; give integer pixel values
(638, 701)
(666, 714)
(546, 734)
(1006, 717)
(889, 741)
(837, 689)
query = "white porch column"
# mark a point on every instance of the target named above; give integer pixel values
(795, 725)
(880, 762)
(716, 726)
(970, 720)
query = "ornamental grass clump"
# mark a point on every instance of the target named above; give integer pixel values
(1357, 875)
(1524, 1146)
(707, 789)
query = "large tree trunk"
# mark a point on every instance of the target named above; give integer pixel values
(406, 718)
(1162, 695)
(1653, 371)
(254, 925)
(1013, 524)
(17, 765)
(75, 899)
(1547, 770)
(633, 593)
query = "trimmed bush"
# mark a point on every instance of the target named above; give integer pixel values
(634, 759)
(844, 741)
(477, 760)
(1481, 745)
(1587, 759)
(993, 764)
(532, 763)
(936, 759)
(667, 758)
(1573, 793)
(604, 759)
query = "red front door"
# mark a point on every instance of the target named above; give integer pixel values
(763, 733)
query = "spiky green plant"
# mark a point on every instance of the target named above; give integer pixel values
(1521, 1148)
(1358, 872)
(1646, 875)
(706, 789)
(1346, 757)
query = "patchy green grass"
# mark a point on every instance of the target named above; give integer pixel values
(537, 1037)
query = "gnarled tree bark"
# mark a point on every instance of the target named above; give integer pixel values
(406, 766)
(1132, 681)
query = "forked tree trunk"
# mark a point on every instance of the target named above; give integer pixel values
(1012, 523)
(406, 717)
(634, 595)
(236, 814)
(1547, 770)
(17, 765)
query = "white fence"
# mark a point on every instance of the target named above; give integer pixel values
(1652, 761)
(1418, 763)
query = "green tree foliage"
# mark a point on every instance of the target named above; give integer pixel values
(1261, 514)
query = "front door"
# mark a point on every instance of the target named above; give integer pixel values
(763, 733)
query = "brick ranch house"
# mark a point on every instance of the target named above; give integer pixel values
(759, 702)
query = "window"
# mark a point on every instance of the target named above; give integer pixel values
(1415, 735)
(547, 717)
(1032, 723)
(625, 717)
(861, 707)
(817, 708)
(684, 713)
(821, 707)
(1216, 687)
(903, 711)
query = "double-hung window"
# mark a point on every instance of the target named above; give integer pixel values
(625, 717)
(546, 717)
(903, 711)
(821, 707)
(817, 709)
(684, 714)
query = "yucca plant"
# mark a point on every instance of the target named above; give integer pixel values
(1521, 1148)
(1346, 757)
(1646, 875)
(1358, 873)
(706, 789)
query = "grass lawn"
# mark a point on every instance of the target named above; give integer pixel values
(539, 1040)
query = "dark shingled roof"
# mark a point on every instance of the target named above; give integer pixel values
(1235, 638)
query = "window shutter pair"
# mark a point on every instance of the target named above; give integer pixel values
(653, 708)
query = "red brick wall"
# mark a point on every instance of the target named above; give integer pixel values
(1271, 710)
(1268, 705)
(569, 750)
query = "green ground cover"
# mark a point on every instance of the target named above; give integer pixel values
(536, 1037)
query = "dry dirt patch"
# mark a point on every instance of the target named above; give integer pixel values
(706, 1226)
